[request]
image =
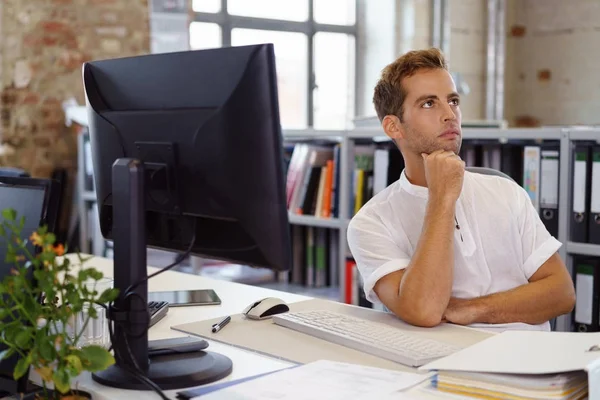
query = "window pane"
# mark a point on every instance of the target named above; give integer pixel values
(289, 10)
(335, 12)
(208, 6)
(204, 35)
(291, 52)
(334, 73)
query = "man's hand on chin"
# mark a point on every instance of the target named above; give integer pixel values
(461, 311)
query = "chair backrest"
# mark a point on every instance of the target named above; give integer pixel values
(488, 171)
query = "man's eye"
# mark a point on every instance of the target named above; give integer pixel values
(455, 102)
(428, 104)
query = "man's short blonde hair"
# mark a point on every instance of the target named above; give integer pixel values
(389, 94)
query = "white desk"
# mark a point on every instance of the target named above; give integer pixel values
(235, 297)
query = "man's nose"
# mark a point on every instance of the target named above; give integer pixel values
(449, 114)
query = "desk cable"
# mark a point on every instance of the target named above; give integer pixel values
(136, 371)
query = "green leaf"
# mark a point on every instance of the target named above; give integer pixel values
(93, 313)
(96, 358)
(94, 274)
(50, 238)
(46, 347)
(11, 331)
(22, 222)
(23, 338)
(75, 362)
(21, 367)
(61, 380)
(2, 230)
(9, 214)
(108, 295)
(3, 312)
(6, 353)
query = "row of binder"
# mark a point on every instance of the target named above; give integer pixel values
(585, 219)
(586, 273)
(534, 167)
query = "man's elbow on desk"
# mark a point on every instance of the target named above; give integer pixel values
(418, 311)
(422, 316)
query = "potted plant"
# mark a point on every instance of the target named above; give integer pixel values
(39, 299)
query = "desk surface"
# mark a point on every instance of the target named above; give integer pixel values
(235, 297)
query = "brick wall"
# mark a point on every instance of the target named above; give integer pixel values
(552, 62)
(43, 45)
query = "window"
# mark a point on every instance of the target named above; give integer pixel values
(314, 44)
(204, 35)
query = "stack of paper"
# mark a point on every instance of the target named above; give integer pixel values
(521, 365)
(568, 386)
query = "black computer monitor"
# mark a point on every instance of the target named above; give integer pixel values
(187, 154)
(36, 200)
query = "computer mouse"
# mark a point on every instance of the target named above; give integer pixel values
(265, 308)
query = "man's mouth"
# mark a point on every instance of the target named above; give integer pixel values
(450, 134)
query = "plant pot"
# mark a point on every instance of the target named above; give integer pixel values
(39, 395)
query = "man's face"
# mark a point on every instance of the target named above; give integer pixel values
(432, 118)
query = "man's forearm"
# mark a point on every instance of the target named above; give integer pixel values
(532, 303)
(427, 283)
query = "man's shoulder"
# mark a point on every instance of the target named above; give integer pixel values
(494, 184)
(377, 206)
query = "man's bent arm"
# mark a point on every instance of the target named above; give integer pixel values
(419, 294)
(549, 294)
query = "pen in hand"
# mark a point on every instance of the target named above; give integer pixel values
(218, 326)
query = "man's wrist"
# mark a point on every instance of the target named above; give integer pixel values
(479, 309)
(441, 205)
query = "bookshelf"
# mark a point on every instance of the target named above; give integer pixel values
(347, 141)
(564, 136)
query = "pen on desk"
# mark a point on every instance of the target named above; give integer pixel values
(217, 327)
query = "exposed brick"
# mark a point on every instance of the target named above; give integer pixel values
(544, 75)
(72, 60)
(30, 98)
(111, 46)
(118, 31)
(54, 27)
(517, 31)
(51, 39)
(527, 121)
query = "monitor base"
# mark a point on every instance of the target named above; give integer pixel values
(172, 371)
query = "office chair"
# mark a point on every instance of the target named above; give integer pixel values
(488, 171)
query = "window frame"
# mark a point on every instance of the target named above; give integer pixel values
(228, 22)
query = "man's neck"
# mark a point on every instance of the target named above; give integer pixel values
(415, 170)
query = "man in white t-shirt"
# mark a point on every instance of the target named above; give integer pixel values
(441, 243)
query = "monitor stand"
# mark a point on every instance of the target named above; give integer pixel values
(130, 313)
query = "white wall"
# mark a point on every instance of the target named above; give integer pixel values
(468, 52)
(552, 62)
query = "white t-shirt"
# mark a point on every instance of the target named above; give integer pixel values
(504, 240)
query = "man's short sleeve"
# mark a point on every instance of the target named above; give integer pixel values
(537, 243)
(375, 251)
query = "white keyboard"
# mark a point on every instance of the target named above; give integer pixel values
(370, 337)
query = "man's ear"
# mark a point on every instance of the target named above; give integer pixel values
(392, 127)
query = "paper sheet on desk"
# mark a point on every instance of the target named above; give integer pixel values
(323, 380)
(524, 352)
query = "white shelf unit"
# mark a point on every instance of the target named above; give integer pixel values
(347, 138)
(564, 135)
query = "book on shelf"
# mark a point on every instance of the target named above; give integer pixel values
(315, 256)
(312, 177)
